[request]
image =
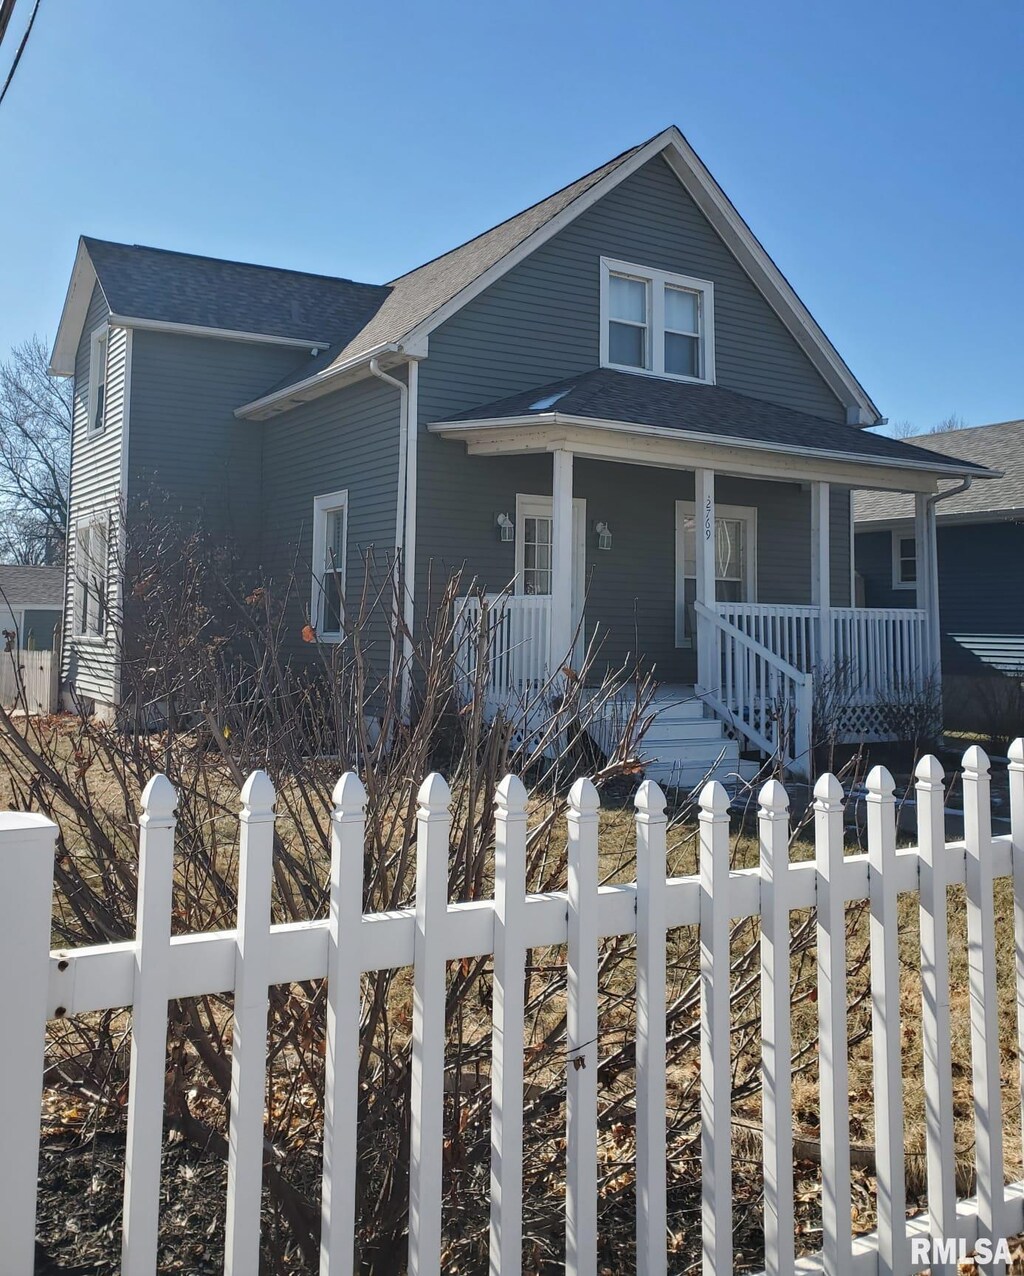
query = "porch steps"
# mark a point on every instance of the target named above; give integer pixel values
(687, 745)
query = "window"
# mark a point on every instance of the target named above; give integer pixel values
(90, 579)
(655, 322)
(904, 561)
(330, 550)
(735, 561)
(97, 380)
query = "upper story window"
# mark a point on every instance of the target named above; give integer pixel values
(330, 550)
(97, 380)
(904, 561)
(656, 322)
(90, 576)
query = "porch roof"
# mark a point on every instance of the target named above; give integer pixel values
(634, 403)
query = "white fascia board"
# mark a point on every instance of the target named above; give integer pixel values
(542, 234)
(734, 232)
(72, 316)
(322, 382)
(459, 430)
(225, 334)
(771, 282)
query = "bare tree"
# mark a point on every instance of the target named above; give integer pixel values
(903, 429)
(35, 456)
(952, 422)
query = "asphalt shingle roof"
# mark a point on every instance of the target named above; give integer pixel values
(606, 395)
(415, 296)
(32, 586)
(999, 447)
(172, 287)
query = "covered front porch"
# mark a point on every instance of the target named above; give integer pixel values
(749, 594)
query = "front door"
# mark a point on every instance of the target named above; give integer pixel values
(735, 561)
(533, 555)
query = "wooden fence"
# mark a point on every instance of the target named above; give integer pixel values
(144, 974)
(29, 680)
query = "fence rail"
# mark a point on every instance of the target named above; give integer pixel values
(156, 967)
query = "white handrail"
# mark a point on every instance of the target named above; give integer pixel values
(767, 699)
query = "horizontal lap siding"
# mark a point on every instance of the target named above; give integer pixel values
(540, 323)
(189, 454)
(95, 488)
(347, 440)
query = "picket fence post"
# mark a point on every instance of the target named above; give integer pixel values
(149, 1029)
(651, 1209)
(508, 1014)
(981, 964)
(715, 1033)
(886, 1042)
(341, 1063)
(249, 1030)
(581, 1034)
(1016, 769)
(935, 1016)
(833, 1062)
(26, 857)
(426, 1146)
(776, 1049)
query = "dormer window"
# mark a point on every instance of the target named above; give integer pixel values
(656, 322)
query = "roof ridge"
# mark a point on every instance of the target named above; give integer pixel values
(232, 261)
(608, 164)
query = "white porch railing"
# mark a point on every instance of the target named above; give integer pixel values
(766, 698)
(883, 650)
(510, 634)
(791, 632)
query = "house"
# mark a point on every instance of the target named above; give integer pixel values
(979, 546)
(31, 601)
(612, 404)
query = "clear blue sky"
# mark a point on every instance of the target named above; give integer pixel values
(875, 148)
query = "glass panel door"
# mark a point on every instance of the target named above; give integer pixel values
(734, 561)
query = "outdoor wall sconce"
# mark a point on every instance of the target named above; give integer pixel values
(506, 528)
(604, 535)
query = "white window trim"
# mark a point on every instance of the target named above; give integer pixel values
(895, 538)
(657, 281)
(748, 514)
(100, 340)
(86, 635)
(329, 503)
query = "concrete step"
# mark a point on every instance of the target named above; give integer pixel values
(683, 731)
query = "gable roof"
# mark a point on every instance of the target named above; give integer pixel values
(998, 447)
(704, 412)
(424, 298)
(41, 587)
(158, 287)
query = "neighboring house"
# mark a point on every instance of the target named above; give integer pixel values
(31, 602)
(980, 556)
(613, 398)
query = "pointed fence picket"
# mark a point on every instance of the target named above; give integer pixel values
(154, 968)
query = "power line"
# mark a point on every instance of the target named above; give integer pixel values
(21, 50)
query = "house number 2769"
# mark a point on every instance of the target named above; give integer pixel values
(708, 520)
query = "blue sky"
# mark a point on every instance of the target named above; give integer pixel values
(874, 148)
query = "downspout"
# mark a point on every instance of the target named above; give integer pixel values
(933, 568)
(405, 514)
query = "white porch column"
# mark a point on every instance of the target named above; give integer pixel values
(704, 509)
(821, 568)
(928, 581)
(561, 558)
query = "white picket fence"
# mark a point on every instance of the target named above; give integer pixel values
(40, 985)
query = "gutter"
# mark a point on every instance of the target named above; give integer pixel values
(322, 380)
(684, 436)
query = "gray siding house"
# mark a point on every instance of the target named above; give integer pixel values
(980, 555)
(611, 411)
